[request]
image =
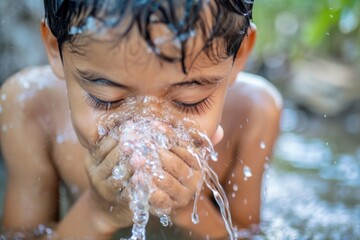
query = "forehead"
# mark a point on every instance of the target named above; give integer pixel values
(111, 46)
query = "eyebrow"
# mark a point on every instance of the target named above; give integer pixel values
(94, 79)
(201, 81)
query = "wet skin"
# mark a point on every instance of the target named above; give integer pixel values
(247, 110)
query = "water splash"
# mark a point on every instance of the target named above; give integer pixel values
(146, 127)
(247, 172)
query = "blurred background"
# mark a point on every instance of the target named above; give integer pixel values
(310, 51)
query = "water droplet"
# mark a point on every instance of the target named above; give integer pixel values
(235, 187)
(331, 16)
(233, 195)
(195, 218)
(247, 172)
(119, 172)
(101, 130)
(262, 145)
(325, 114)
(165, 220)
(163, 141)
(49, 231)
(214, 156)
(59, 139)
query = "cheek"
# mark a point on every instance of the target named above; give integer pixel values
(85, 126)
(210, 121)
(84, 118)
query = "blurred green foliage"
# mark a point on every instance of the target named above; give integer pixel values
(298, 28)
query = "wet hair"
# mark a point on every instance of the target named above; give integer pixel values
(230, 20)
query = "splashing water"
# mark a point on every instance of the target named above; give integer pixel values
(141, 134)
(247, 172)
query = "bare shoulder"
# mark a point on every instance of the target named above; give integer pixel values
(251, 102)
(256, 91)
(26, 122)
(251, 124)
(30, 93)
(252, 94)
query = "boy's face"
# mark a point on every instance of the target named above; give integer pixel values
(107, 73)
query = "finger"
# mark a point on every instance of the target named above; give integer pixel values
(103, 148)
(116, 167)
(172, 187)
(111, 160)
(119, 182)
(186, 156)
(117, 190)
(197, 136)
(175, 164)
(90, 164)
(160, 202)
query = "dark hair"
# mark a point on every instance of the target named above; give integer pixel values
(230, 20)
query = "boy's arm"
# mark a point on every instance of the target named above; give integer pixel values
(32, 190)
(32, 184)
(259, 126)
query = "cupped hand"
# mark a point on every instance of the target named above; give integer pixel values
(182, 174)
(177, 186)
(110, 194)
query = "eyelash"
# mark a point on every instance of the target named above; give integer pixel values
(102, 105)
(193, 108)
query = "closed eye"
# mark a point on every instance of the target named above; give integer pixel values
(102, 105)
(199, 107)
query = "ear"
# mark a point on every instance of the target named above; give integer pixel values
(243, 53)
(52, 50)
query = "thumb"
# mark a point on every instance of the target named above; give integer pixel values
(218, 135)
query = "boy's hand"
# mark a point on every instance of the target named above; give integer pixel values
(175, 190)
(181, 178)
(111, 195)
(182, 175)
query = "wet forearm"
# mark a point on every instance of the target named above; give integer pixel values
(211, 223)
(85, 220)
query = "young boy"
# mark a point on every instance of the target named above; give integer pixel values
(187, 53)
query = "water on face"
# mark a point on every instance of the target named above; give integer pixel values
(142, 130)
